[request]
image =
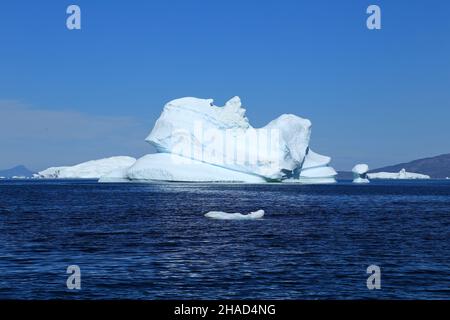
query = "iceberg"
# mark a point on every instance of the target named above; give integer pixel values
(220, 215)
(93, 169)
(402, 174)
(197, 141)
(360, 173)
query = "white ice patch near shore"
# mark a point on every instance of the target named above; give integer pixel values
(402, 175)
(220, 215)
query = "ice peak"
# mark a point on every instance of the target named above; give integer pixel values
(191, 102)
(234, 104)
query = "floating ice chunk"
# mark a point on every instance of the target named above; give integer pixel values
(235, 216)
(360, 173)
(402, 174)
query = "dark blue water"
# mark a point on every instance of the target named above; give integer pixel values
(152, 241)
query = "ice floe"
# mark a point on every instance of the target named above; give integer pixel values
(220, 215)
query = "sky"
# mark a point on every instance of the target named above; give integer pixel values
(374, 96)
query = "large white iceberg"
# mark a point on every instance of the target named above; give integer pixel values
(198, 141)
(402, 174)
(93, 169)
(360, 173)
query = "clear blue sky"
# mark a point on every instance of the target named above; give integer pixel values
(378, 97)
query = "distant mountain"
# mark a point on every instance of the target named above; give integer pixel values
(19, 171)
(436, 167)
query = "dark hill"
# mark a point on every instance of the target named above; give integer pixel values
(436, 167)
(19, 171)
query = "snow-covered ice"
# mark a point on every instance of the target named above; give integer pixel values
(220, 215)
(360, 173)
(402, 174)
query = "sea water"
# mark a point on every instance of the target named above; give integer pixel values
(152, 241)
